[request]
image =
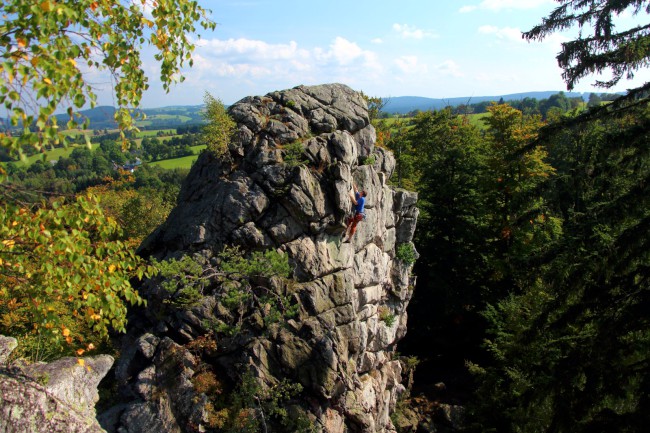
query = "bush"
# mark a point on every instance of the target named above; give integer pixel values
(406, 253)
(220, 128)
(293, 154)
(386, 316)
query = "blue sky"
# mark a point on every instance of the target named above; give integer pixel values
(431, 48)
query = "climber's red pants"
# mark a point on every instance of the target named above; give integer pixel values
(352, 223)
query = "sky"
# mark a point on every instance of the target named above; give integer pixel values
(429, 48)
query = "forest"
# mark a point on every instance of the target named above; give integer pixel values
(533, 295)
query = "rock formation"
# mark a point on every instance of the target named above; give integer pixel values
(58, 397)
(283, 185)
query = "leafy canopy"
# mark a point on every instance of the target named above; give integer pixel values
(64, 278)
(48, 48)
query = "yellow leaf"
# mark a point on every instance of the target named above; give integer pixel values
(22, 43)
(147, 22)
(47, 81)
(8, 243)
(66, 332)
(111, 269)
(81, 362)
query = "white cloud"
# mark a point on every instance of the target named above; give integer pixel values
(377, 41)
(410, 32)
(497, 5)
(240, 58)
(507, 33)
(449, 67)
(410, 65)
(466, 9)
(344, 51)
(247, 48)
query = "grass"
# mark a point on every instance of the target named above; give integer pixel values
(149, 120)
(154, 133)
(56, 153)
(138, 141)
(169, 164)
(53, 154)
(476, 120)
(184, 162)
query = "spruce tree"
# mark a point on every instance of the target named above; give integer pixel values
(604, 48)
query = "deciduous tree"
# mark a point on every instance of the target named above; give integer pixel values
(48, 47)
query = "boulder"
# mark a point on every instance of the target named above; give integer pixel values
(50, 397)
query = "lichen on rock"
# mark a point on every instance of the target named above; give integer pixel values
(56, 397)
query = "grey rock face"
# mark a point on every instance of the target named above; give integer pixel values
(352, 296)
(50, 398)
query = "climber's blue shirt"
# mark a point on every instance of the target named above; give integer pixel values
(361, 202)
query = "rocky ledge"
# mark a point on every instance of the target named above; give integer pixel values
(332, 363)
(58, 397)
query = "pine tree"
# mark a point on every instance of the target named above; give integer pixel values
(621, 52)
(571, 351)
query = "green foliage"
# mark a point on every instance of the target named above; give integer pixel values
(254, 408)
(370, 160)
(293, 154)
(621, 52)
(406, 253)
(45, 46)
(64, 279)
(386, 316)
(138, 211)
(265, 264)
(394, 137)
(239, 283)
(375, 105)
(220, 128)
(570, 348)
(184, 280)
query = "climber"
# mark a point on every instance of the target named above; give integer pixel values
(359, 200)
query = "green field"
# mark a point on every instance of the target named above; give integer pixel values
(52, 154)
(154, 132)
(138, 141)
(476, 120)
(55, 154)
(184, 162)
(149, 120)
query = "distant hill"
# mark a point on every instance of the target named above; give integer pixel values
(100, 117)
(405, 104)
(156, 118)
(180, 115)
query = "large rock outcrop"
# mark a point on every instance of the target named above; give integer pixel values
(351, 297)
(58, 397)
